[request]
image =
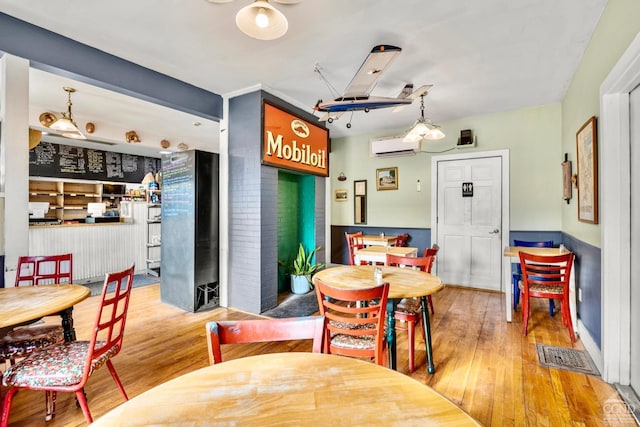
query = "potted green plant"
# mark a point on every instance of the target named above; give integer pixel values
(303, 268)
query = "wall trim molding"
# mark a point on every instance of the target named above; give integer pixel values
(615, 194)
(590, 345)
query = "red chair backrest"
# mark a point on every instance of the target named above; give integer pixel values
(402, 240)
(545, 270)
(354, 241)
(251, 331)
(432, 252)
(44, 270)
(343, 308)
(108, 330)
(418, 263)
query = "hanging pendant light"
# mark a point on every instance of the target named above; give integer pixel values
(262, 21)
(423, 128)
(66, 124)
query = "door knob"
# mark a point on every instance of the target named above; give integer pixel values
(495, 231)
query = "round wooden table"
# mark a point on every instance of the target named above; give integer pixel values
(22, 304)
(403, 283)
(296, 389)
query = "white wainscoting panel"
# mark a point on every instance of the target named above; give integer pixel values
(97, 249)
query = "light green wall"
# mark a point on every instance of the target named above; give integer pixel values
(532, 135)
(619, 24)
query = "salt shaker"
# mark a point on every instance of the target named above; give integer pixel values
(382, 234)
(377, 274)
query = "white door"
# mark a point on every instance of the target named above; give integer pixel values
(469, 221)
(634, 107)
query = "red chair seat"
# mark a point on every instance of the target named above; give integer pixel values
(61, 365)
(353, 342)
(360, 342)
(548, 289)
(22, 341)
(408, 306)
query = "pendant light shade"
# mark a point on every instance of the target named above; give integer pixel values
(66, 124)
(435, 133)
(262, 21)
(423, 128)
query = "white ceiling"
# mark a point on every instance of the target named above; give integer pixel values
(481, 56)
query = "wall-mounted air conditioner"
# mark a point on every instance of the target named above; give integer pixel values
(392, 147)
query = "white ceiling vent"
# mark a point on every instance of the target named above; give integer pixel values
(392, 147)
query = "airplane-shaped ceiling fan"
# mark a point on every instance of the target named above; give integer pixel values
(356, 95)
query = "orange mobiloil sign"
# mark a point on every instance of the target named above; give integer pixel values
(289, 142)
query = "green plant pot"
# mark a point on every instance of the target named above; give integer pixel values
(300, 284)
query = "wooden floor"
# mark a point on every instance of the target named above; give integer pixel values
(483, 363)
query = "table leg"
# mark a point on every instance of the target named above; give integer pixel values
(67, 324)
(391, 333)
(506, 284)
(426, 324)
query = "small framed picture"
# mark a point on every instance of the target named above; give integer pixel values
(387, 178)
(360, 187)
(587, 150)
(341, 195)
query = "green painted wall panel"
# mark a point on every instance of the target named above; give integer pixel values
(288, 225)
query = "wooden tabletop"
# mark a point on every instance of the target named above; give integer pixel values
(513, 251)
(403, 282)
(378, 254)
(25, 303)
(374, 240)
(383, 250)
(289, 389)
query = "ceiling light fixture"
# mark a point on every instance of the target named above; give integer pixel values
(260, 20)
(66, 124)
(423, 128)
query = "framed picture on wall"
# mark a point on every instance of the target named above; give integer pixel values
(387, 178)
(341, 195)
(587, 165)
(360, 201)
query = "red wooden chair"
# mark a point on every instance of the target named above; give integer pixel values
(252, 331)
(408, 312)
(401, 240)
(546, 277)
(34, 271)
(517, 274)
(355, 241)
(354, 328)
(66, 367)
(432, 252)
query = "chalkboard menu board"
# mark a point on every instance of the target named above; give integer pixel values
(178, 186)
(64, 161)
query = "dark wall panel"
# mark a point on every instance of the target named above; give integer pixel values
(418, 237)
(588, 266)
(52, 52)
(190, 245)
